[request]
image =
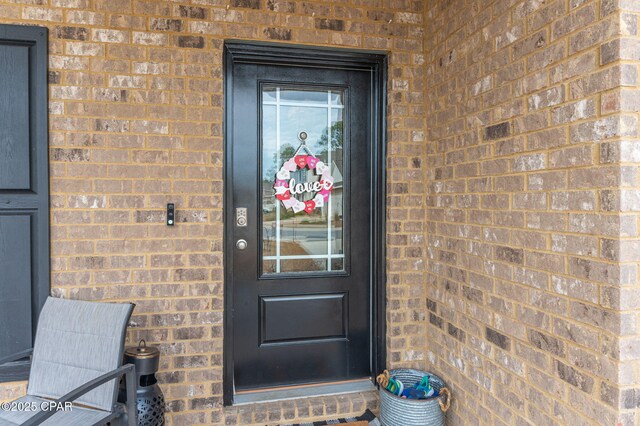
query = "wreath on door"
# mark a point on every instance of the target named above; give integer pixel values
(286, 188)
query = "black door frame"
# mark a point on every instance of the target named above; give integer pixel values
(237, 51)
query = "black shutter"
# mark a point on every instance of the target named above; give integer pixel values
(24, 188)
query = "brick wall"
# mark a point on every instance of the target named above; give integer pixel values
(626, 152)
(136, 122)
(532, 229)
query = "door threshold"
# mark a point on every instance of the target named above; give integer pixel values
(302, 391)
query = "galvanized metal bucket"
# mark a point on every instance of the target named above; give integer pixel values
(396, 411)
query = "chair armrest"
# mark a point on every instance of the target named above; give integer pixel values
(16, 356)
(128, 370)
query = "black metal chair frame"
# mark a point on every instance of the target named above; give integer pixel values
(128, 370)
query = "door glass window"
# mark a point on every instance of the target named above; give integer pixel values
(311, 239)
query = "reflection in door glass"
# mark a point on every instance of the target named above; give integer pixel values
(312, 240)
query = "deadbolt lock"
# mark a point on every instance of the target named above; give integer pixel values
(241, 216)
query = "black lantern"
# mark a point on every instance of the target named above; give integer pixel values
(149, 397)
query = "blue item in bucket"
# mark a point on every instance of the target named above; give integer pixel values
(395, 386)
(420, 390)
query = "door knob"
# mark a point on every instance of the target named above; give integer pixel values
(241, 244)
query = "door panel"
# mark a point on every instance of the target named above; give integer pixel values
(14, 118)
(15, 293)
(317, 316)
(302, 286)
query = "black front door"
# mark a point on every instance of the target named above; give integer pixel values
(300, 239)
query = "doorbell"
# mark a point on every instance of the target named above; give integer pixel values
(171, 213)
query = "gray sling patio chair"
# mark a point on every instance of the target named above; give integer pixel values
(77, 356)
